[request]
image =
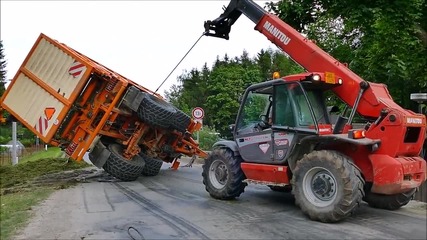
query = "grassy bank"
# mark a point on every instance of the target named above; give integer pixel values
(52, 152)
(28, 183)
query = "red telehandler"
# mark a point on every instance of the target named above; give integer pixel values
(330, 167)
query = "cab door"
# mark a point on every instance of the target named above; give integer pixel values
(253, 134)
(293, 118)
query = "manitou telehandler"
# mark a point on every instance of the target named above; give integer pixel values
(329, 166)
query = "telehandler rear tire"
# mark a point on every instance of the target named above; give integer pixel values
(327, 186)
(122, 168)
(222, 175)
(152, 165)
(155, 111)
(389, 202)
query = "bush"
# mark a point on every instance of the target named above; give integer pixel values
(27, 142)
(4, 139)
(3, 149)
(207, 137)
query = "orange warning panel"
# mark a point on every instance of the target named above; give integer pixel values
(49, 111)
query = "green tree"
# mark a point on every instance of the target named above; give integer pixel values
(191, 91)
(270, 61)
(383, 41)
(207, 137)
(218, 90)
(228, 81)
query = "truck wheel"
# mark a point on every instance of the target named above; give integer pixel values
(180, 121)
(222, 175)
(152, 165)
(389, 202)
(155, 111)
(327, 186)
(122, 168)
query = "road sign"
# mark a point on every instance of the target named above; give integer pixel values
(198, 113)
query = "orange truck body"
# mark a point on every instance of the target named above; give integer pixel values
(71, 101)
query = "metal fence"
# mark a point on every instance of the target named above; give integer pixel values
(6, 155)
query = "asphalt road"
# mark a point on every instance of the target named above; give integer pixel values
(175, 205)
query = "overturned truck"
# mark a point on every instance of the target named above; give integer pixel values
(71, 101)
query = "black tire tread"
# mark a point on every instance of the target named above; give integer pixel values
(152, 165)
(349, 175)
(121, 168)
(155, 111)
(389, 202)
(180, 121)
(235, 185)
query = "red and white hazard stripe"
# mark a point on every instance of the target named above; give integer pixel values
(76, 69)
(41, 125)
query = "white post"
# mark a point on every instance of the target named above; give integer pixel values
(197, 140)
(14, 148)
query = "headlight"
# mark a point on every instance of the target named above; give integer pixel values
(316, 77)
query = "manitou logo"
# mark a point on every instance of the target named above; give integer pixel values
(414, 121)
(276, 33)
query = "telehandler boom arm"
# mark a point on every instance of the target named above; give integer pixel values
(306, 53)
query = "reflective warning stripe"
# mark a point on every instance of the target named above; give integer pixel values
(41, 125)
(76, 69)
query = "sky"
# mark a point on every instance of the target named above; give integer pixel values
(141, 40)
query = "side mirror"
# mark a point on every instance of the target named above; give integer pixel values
(232, 127)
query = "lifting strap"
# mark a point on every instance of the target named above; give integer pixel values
(180, 61)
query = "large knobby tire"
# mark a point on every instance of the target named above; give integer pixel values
(152, 165)
(222, 175)
(122, 168)
(327, 186)
(155, 111)
(180, 121)
(389, 202)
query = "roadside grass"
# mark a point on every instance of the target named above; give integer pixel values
(28, 183)
(52, 152)
(15, 210)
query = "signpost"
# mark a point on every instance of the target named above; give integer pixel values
(198, 114)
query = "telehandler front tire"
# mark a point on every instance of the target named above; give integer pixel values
(222, 175)
(327, 186)
(122, 168)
